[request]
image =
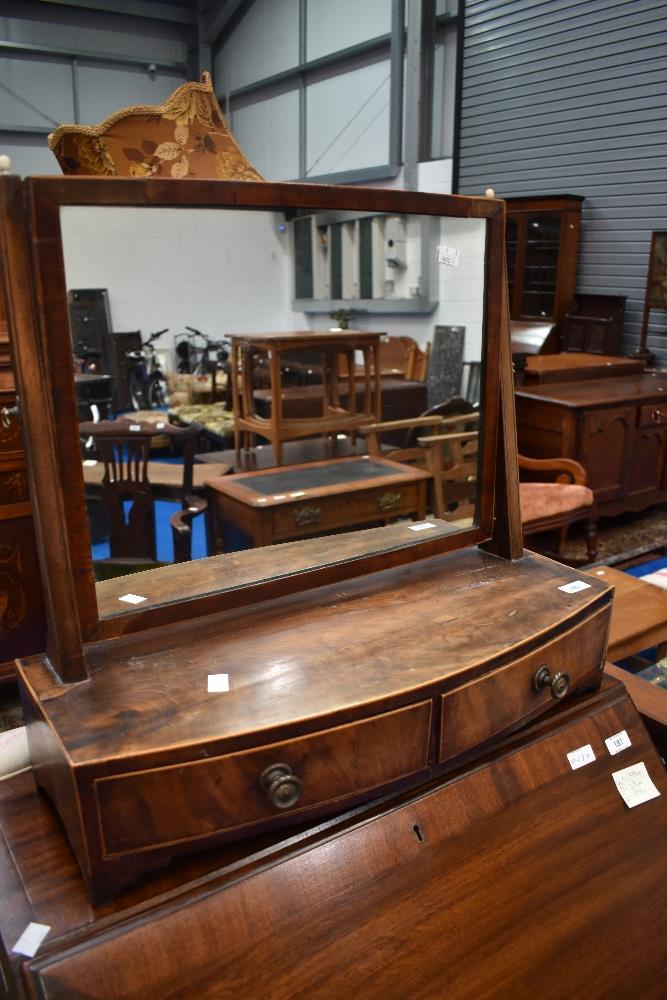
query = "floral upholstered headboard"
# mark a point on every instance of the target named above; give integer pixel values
(186, 136)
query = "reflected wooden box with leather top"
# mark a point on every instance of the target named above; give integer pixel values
(299, 500)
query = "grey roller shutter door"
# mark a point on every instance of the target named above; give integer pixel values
(571, 97)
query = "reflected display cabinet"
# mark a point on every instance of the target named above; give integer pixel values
(542, 251)
(270, 705)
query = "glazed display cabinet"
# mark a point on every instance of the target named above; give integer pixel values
(542, 243)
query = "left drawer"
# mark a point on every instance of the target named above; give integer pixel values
(142, 810)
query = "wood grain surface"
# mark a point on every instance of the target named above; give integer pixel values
(517, 877)
(353, 647)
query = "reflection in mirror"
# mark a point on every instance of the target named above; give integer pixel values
(273, 377)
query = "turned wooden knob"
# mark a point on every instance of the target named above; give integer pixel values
(558, 683)
(281, 785)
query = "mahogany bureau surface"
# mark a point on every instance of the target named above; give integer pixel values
(516, 876)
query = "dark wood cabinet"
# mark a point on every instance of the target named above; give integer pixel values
(616, 428)
(595, 324)
(542, 241)
(22, 618)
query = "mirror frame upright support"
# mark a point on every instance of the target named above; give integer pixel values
(64, 637)
(34, 273)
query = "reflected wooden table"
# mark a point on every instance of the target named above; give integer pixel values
(334, 415)
(296, 501)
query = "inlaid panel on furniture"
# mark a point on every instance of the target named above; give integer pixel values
(22, 616)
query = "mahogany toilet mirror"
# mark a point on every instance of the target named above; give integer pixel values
(354, 662)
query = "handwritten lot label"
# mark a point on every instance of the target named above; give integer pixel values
(581, 757)
(634, 785)
(448, 255)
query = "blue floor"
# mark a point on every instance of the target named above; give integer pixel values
(648, 567)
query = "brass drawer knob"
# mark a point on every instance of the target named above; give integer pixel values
(307, 515)
(281, 785)
(389, 500)
(559, 682)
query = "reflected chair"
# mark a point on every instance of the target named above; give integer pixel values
(452, 459)
(123, 445)
(549, 508)
(398, 357)
(449, 453)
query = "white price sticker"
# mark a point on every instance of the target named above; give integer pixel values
(422, 527)
(31, 939)
(618, 742)
(574, 587)
(218, 682)
(135, 427)
(634, 785)
(133, 598)
(448, 255)
(581, 757)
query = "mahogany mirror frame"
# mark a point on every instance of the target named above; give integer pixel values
(34, 275)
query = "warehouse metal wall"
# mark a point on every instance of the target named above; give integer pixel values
(568, 96)
(62, 63)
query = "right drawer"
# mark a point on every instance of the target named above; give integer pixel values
(653, 415)
(487, 706)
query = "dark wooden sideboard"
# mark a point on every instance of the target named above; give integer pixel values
(616, 428)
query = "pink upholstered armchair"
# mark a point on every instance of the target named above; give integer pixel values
(551, 507)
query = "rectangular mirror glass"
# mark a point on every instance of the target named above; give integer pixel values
(232, 289)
